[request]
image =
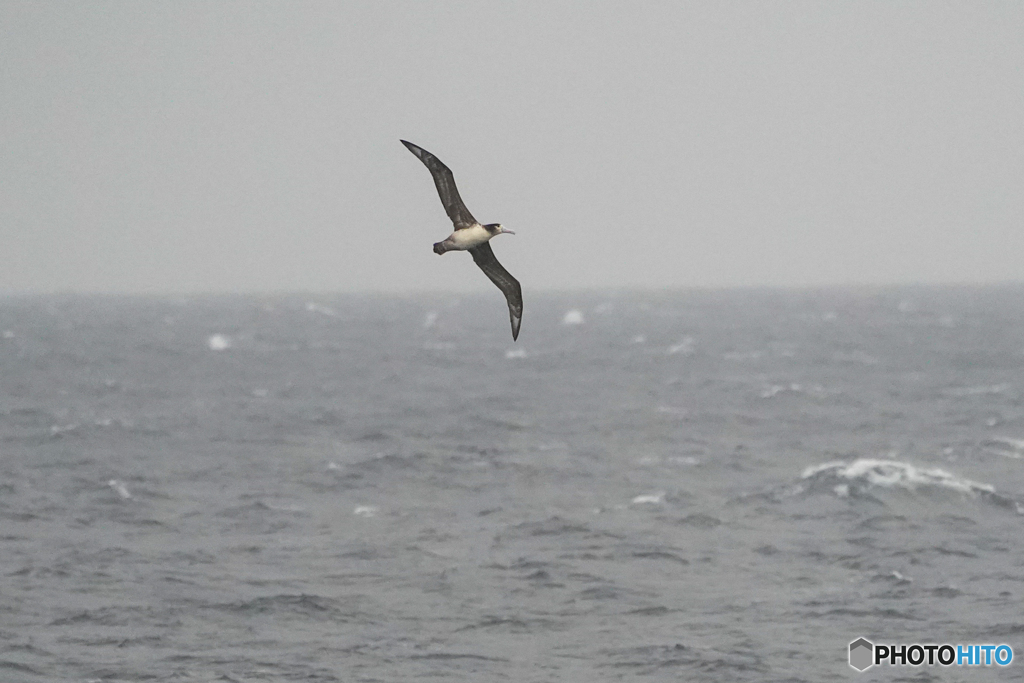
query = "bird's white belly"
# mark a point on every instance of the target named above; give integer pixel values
(470, 237)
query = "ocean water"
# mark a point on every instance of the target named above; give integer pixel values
(708, 485)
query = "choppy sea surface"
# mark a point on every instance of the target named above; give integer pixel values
(706, 485)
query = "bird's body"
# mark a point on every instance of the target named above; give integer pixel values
(471, 236)
(466, 238)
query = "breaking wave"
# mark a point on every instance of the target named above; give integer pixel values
(860, 477)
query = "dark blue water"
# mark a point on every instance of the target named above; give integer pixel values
(716, 486)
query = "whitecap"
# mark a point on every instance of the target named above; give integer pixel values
(314, 307)
(573, 317)
(1006, 447)
(58, 430)
(219, 342)
(120, 489)
(430, 320)
(895, 474)
(669, 460)
(776, 389)
(685, 347)
(900, 578)
(515, 353)
(365, 510)
(980, 390)
(650, 498)
(814, 391)
(638, 339)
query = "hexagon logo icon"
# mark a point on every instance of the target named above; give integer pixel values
(861, 654)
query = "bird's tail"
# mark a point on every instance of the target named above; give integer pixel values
(440, 248)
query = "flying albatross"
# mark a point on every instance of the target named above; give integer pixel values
(470, 236)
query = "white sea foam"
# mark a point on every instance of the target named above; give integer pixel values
(573, 316)
(814, 391)
(638, 339)
(684, 347)
(58, 430)
(980, 390)
(900, 578)
(219, 342)
(366, 510)
(895, 474)
(515, 353)
(670, 460)
(650, 498)
(430, 320)
(120, 489)
(314, 307)
(1006, 447)
(776, 389)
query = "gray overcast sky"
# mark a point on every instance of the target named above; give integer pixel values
(218, 146)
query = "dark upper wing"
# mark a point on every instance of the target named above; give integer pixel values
(484, 258)
(445, 182)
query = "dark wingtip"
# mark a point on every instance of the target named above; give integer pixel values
(416, 150)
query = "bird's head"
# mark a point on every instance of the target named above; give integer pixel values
(498, 229)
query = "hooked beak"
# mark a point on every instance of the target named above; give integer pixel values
(506, 231)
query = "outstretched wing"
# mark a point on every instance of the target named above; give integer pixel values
(484, 258)
(445, 182)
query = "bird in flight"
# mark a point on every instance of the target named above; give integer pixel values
(471, 236)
